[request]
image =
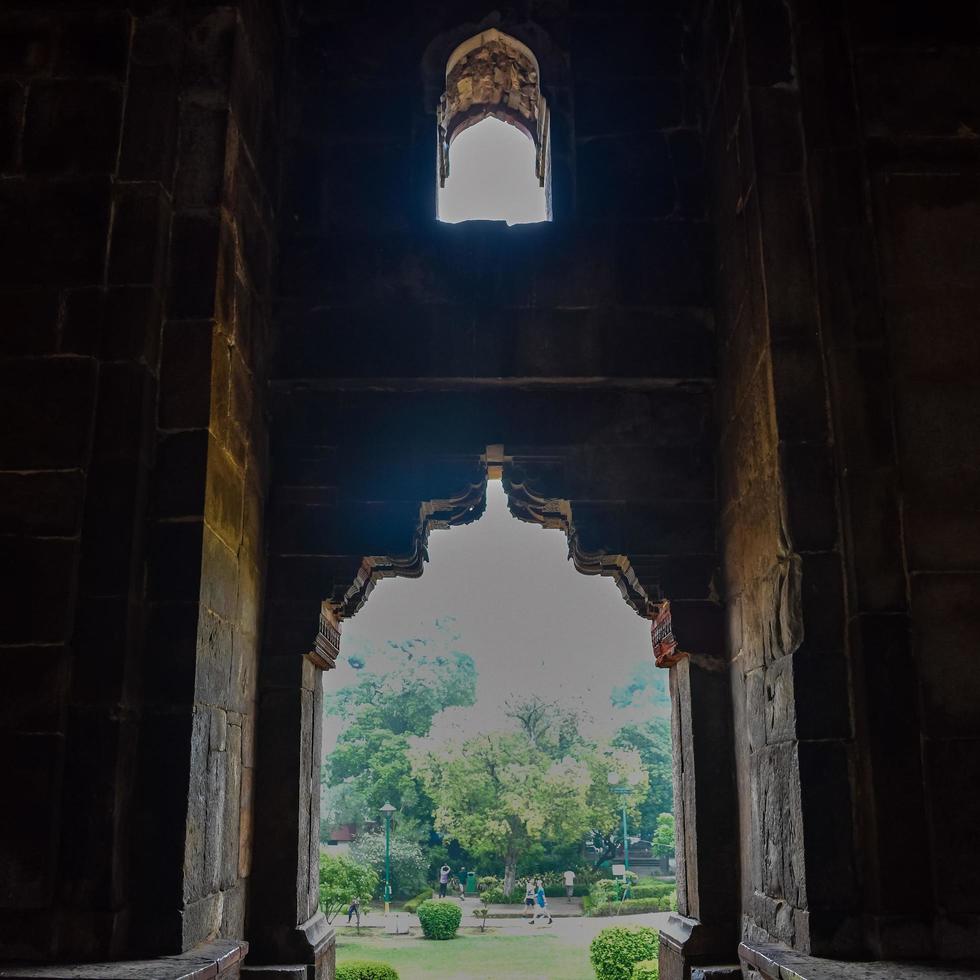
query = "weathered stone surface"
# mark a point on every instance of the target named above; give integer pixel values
(832, 476)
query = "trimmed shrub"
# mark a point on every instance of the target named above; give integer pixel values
(614, 952)
(439, 919)
(646, 970)
(365, 970)
(412, 905)
(632, 906)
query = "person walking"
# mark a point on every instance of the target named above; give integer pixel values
(569, 877)
(541, 903)
(354, 909)
(443, 880)
(529, 900)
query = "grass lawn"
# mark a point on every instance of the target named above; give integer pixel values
(474, 956)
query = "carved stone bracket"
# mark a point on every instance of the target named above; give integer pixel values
(493, 74)
(326, 646)
(463, 508)
(526, 505)
(666, 652)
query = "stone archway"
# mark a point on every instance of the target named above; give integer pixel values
(333, 588)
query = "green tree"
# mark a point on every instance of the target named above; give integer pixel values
(663, 836)
(550, 726)
(341, 881)
(498, 794)
(427, 676)
(652, 741)
(408, 864)
(381, 711)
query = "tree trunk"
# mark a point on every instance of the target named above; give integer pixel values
(510, 873)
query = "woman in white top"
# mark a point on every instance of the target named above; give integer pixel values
(529, 898)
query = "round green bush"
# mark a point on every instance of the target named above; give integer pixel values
(646, 970)
(439, 919)
(365, 970)
(615, 951)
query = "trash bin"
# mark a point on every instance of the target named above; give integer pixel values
(470, 883)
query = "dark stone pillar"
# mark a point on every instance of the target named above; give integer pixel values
(285, 924)
(706, 928)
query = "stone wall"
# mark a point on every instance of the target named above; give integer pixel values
(782, 382)
(781, 554)
(897, 178)
(137, 257)
(829, 193)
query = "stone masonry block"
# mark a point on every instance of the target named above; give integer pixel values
(149, 136)
(174, 571)
(28, 826)
(140, 226)
(72, 127)
(946, 617)
(185, 374)
(201, 165)
(194, 266)
(94, 44)
(12, 98)
(47, 406)
(43, 503)
(33, 685)
(131, 324)
(223, 502)
(54, 232)
(181, 468)
(31, 325)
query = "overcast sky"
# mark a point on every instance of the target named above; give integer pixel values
(531, 622)
(491, 176)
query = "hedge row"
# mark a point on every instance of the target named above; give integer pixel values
(632, 906)
(365, 970)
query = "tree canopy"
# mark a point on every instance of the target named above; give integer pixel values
(652, 741)
(501, 794)
(409, 866)
(381, 711)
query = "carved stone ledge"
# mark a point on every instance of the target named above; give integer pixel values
(463, 508)
(220, 958)
(526, 505)
(686, 943)
(776, 962)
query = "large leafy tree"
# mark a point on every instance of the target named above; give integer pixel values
(550, 726)
(499, 794)
(409, 867)
(652, 741)
(381, 711)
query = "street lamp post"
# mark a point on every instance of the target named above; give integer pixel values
(623, 792)
(387, 810)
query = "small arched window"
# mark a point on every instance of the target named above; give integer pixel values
(493, 129)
